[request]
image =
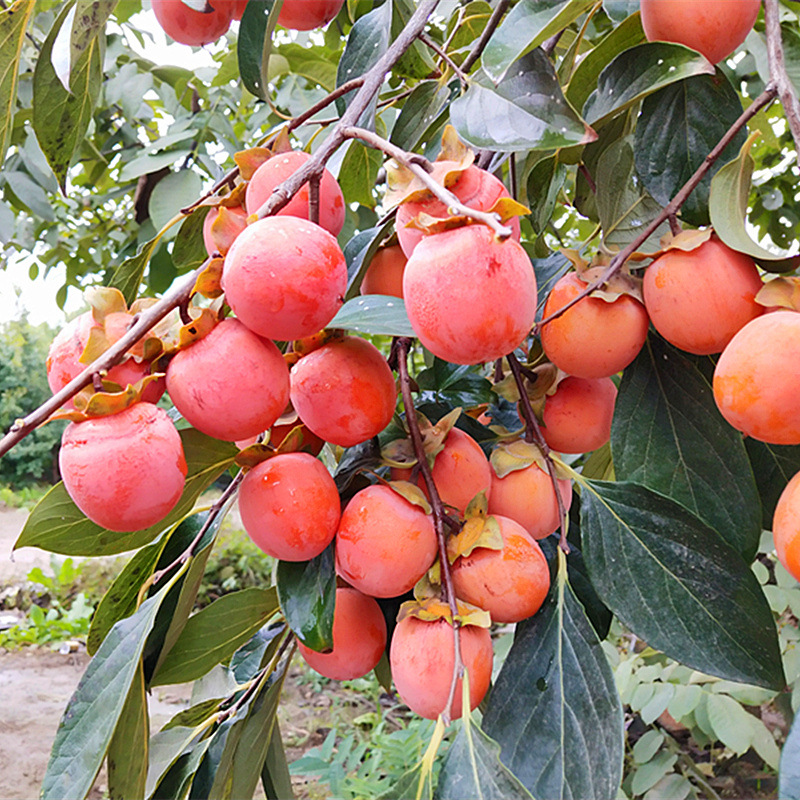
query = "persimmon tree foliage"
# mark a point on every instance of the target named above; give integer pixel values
(529, 186)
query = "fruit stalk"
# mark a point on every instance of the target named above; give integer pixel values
(764, 99)
(439, 516)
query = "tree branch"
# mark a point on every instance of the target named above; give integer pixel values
(428, 42)
(671, 209)
(490, 28)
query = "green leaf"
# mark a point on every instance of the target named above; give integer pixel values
(29, 193)
(170, 766)
(774, 465)
(677, 585)
(275, 778)
(455, 384)
(307, 594)
(730, 721)
(419, 112)
(638, 72)
(213, 771)
(61, 118)
(255, 37)
(146, 164)
(127, 277)
(171, 193)
(127, 751)
(728, 202)
(189, 250)
(88, 20)
(93, 710)
(472, 769)
(649, 774)
(527, 25)
(545, 182)
(374, 313)
(255, 653)
(554, 708)
(678, 127)
(668, 435)
(56, 524)
(358, 254)
(417, 61)
(214, 633)
(624, 207)
(196, 714)
(525, 111)
(584, 79)
(359, 174)
(313, 63)
(13, 24)
(367, 41)
(789, 776)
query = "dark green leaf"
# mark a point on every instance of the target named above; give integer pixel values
(773, 466)
(258, 23)
(275, 777)
(638, 72)
(678, 127)
(789, 787)
(359, 174)
(677, 585)
(127, 277)
(127, 764)
(545, 181)
(548, 271)
(88, 21)
(374, 313)
(307, 594)
(472, 769)
(554, 708)
(455, 384)
(194, 715)
(366, 43)
(525, 111)
(95, 707)
(358, 253)
(526, 26)
(61, 118)
(366, 455)
(167, 763)
(57, 525)
(176, 777)
(418, 113)
(214, 770)
(13, 24)
(417, 61)
(252, 655)
(214, 633)
(668, 435)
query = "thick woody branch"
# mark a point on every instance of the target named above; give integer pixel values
(421, 169)
(777, 71)
(672, 208)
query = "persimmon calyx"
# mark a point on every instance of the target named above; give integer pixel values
(90, 404)
(783, 292)
(434, 608)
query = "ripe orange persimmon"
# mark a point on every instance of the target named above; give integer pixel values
(469, 297)
(475, 188)
(187, 26)
(344, 391)
(713, 27)
(422, 659)
(527, 496)
(512, 583)
(384, 274)
(276, 170)
(235, 221)
(125, 471)
(594, 338)
(238, 8)
(290, 506)
(757, 379)
(577, 418)
(786, 527)
(285, 277)
(698, 300)
(359, 638)
(231, 384)
(384, 544)
(305, 15)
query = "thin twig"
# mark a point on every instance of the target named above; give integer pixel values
(616, 264)
(428, 42)
(414, 163)
(777, 71)
(533, 434)
(439, 514)
(491, 25)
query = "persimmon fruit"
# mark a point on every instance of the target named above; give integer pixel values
(422, 658)
(231, 384)
(305, 15)
(359, 638)
(281, 166)
(715, 28)
(594, 338)
(385, 544)
(290, 506)
(577, 417)
(757, 378)
(511, 583)
(786, 527)
(698, 300)
(125, 471)
(384, 274)
(285, 277)
(187, 26)
(470, 298)
(344, 391)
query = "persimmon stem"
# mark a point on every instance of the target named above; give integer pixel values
(313, 199)
(764, 99)
(420, 167)
(533, 434)
(439, 514)
(777, 71)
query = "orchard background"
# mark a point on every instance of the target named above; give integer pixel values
(670, 629)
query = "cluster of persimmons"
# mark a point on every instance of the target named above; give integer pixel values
(471, 298)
